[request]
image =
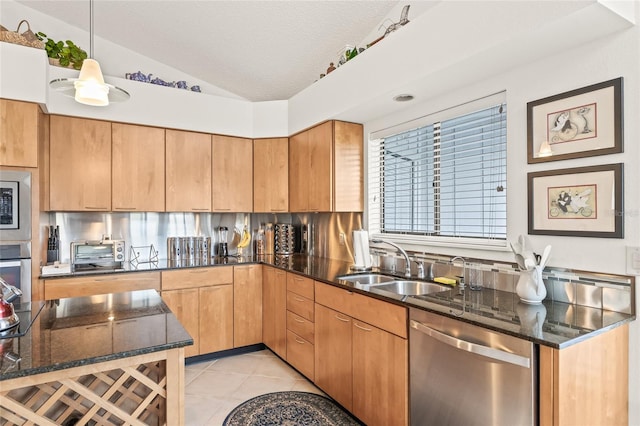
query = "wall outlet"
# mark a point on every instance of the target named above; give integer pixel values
(343, 239)
(633, 260)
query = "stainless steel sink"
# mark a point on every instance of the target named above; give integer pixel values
(412, 288)
(367, 278)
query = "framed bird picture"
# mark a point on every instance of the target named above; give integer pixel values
(580, 123)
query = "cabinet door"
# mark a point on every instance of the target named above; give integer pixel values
(18, 133)
(271, 175)
(299, 172)
(216, 318)
(185, 306)
(232, 170)
(90, 341)
(188, 171)
(300, 353)
(333, 358)
(320, 166)
(380, 372)
(79, 164)
(137, 170)
(247, 305)
(274, 310)
(348, 145)
(137, 333)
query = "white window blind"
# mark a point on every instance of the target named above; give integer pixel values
(442, 179)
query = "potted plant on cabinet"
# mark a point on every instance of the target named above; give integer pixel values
(63, 53)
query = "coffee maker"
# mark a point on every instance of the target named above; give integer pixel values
(223, 234)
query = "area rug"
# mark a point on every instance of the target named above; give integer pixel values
(289, 409)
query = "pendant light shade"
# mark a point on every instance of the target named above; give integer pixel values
(89, 88)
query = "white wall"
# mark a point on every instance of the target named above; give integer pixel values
(614, 56)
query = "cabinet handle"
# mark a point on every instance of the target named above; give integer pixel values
(299, 341)
(221, 209)
(95, 208)
(361, 327)
(342, 319)
(298, 320)
(200, 209)
(96, 326)
(278, 210)
(297, 299)
(125, 208)
(198, 271)
(126, 321)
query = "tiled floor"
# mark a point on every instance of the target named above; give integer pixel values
(214, 388)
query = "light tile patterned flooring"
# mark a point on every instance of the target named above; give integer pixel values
(214, 388)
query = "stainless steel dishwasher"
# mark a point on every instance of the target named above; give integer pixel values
(461, 374)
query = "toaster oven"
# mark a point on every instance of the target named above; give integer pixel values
(96, 255)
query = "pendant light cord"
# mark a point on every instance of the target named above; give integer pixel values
(91, 29)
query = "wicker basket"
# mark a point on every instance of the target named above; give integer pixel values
(27, 38)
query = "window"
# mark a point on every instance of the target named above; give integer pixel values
(445, 178)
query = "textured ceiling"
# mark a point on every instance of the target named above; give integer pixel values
(258, 50)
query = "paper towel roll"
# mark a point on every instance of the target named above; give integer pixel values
(361, 255)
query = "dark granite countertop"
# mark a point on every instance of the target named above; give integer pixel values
(551, 323)
(65, 333)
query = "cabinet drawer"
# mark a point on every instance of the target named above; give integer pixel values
(300, 285)
(300, 326)
(300, 354)
(196, 277)
(100, 284)
(384, 315)
(339, 299)
(300, 305)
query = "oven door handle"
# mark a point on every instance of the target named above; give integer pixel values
(475, 348)
(10, 263)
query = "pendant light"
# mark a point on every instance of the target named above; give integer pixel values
(89, 88)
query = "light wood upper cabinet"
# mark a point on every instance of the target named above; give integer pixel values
(325, 168)
(232, 172)
(271, 175)
(188, 171)
(19, 133)
(137, 168)
(79, 164)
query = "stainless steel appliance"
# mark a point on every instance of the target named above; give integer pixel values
(105, 254)
(15, 266)
(461, 374)
(15, 206)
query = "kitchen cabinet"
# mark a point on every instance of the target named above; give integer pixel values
(361, 354)
(271, 175)
(586, 383)
(232, 172)
(300, 324)
(126, 332)
(247, 305)
(137, 169)
(325, 168)
(188, 171)
(60, 288)
(19, 133)
(79, 164)
(204, 310)
(89, 341)
(274, 310)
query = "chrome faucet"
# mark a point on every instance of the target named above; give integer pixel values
(407, 270)
(464, 266)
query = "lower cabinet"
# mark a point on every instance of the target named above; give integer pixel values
(363, 367)
(60, 288)
(203, 301)
(247, 305)
(300, 324)
(274, 310)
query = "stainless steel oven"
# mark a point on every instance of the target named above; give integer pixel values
(15, 266)
(15, 205)
(15, 230)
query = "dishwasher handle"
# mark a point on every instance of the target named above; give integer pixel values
(475, 348)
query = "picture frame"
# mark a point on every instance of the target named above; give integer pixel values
(580, 202)
(580, 123)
